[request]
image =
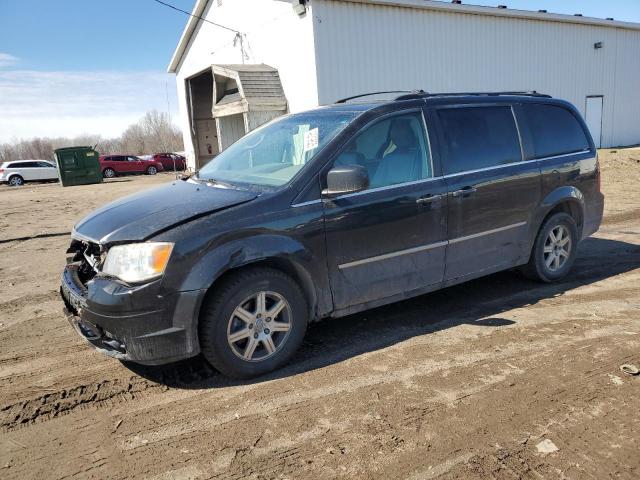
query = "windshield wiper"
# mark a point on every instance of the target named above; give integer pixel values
(221, 183)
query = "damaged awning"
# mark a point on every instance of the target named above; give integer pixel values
(246, 88)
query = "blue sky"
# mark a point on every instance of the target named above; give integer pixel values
(94, 66)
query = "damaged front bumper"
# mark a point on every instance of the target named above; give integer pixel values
(132, 323)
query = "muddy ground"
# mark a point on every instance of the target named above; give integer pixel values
(463, 383)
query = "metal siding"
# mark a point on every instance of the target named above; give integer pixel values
(361, 48)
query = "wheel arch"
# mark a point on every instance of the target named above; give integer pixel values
(263, 251)
(567, 199)
(13, 175)
(282, 264)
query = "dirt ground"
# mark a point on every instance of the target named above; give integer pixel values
(470, 382)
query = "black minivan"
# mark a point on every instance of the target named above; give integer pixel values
(330, 212)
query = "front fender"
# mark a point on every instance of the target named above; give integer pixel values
(274, 249)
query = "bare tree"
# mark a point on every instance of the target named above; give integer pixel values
(153, 133)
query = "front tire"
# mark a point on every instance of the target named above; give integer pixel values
(16, 181)
(152, 170)
(109, 173)
(253, 323)
(554, 250)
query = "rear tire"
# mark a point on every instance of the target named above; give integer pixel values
(16, 181)
(109, 173)
(253, 323)
(152, 170)
(554, 250)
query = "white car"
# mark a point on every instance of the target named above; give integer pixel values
(17, 172)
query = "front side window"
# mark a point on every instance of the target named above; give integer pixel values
(393, 150)
(273, 154)
(555, 130)
(479, 137)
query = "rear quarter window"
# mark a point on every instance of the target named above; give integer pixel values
(554, 130)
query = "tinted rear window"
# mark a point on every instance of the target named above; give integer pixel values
(479, 137)
(555, 130)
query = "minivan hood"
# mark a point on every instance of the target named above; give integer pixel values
(141, 215)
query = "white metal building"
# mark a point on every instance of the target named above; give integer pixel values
(323, 50)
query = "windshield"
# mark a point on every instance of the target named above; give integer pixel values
(272, 154)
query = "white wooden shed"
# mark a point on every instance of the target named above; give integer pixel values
(305, 53)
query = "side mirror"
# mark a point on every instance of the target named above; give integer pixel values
(346, 179)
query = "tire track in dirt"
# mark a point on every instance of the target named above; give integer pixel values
(97, 395)
(65, 401)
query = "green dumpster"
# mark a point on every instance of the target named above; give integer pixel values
(78, 166)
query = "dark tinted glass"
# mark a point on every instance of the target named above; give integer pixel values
(479, 137)
(555, 130)
(28, 165)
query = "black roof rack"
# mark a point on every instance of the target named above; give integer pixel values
(414, 94)
(345, 100)
(529, 93)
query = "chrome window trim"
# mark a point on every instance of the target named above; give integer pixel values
(560, 155)
(515, 120)
(425, 132)
(485, 169)
(304, 204)
(386, 187)
(429, 246)
(515, 163)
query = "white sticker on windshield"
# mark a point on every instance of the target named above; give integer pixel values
(310, 140)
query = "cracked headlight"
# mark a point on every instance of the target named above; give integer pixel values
(137, 262)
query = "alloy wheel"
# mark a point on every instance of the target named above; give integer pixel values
(557, 248)
(259, 326)
(108, 173)
(15, 181)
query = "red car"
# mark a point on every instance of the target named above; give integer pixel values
(167, 159)
(113, 165)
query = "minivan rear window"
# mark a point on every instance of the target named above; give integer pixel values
(555, 130)
(479, 137)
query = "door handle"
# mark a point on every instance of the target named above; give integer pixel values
(463, 192)
(428, 199)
